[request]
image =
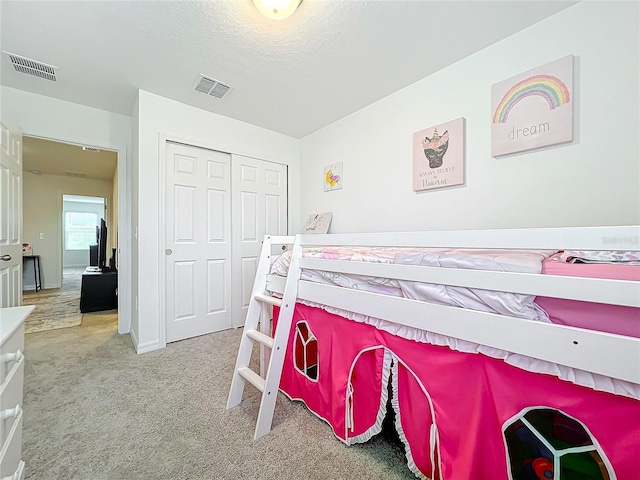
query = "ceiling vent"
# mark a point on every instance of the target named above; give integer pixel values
(212, 87)
(31, 67)
(75, 174)
(90, 149)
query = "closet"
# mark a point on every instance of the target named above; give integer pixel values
(218, 207)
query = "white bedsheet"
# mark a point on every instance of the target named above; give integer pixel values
(517, 305)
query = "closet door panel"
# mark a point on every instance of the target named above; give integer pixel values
(259, 207)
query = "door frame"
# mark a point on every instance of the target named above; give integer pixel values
(163, 138)
(124, 221)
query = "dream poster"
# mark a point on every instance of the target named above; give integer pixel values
(533, 109)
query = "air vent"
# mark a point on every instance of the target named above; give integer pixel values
(75, 174)
(32, 67)
(210, 86)
(90, 149)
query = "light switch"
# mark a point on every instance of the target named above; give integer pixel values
(41, 236)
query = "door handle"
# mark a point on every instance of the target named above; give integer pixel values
(168, 251)
(5, 258)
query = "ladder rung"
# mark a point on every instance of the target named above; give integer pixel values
(266, 340)
(252, 377)
(270, 300)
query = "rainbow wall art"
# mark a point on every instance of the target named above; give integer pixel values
(534, 109)
(550, 88)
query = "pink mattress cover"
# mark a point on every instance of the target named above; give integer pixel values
(593, 316)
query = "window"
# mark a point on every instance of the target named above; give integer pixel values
(80, 230)
(544, 443)
(305, 351)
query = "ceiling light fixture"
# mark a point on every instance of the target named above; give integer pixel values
(36, 172)
(277, 9)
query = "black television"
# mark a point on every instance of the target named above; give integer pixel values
(93, 255)
(102, 246)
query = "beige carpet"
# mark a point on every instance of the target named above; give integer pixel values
(55, 307)
(94, 410)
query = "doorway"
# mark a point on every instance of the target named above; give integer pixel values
(67, 190)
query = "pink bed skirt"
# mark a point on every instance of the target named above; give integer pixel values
(460, 415)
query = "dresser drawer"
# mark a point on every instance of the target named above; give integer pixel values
(11, 397)
(9, 352)
(11, 453)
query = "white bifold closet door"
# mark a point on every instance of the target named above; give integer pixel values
(218, 207)
(197, 241)
(259, 202)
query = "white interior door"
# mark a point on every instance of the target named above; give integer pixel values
(10, 218)
(259, 202)
(197, 241)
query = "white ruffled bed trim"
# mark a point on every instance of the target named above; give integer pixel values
(398, 424)
(583, 378)
(376, 428)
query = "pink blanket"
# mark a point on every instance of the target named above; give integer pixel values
(592, 316)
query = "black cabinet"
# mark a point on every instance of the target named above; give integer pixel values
(99, 291)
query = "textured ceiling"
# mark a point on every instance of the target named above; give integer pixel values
(294, 76)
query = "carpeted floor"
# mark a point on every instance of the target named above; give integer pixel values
(95, 410)
(56, 307)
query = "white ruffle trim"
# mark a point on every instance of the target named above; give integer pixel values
(376, 428)
(579, 377)
(398, 424)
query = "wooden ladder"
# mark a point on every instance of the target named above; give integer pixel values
(258, 313)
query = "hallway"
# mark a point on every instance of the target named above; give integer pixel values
(59, 307)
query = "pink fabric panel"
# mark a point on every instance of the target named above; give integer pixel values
(367, 390)
(620, 320)
(471, 445)
(339, 342)
(416, 419)
(473, 396)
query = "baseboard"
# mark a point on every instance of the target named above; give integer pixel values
(148, 347)
(134, 339)
(143, 347)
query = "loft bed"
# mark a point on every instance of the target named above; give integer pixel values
(540, 381)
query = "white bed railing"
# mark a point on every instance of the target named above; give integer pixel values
(607, 354)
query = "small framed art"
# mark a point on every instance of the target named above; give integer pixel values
(438, 156)
(333, 177)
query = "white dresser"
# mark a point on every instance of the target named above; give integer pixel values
(11, 388)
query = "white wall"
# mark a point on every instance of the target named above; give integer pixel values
(159, 116)
(134, 169)
(47, 117)
(42, 213)
(79, 258)
(593, 181)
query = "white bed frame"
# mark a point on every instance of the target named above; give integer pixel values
(611, 355)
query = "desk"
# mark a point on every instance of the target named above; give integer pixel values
(36, 269)
(99, 291)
